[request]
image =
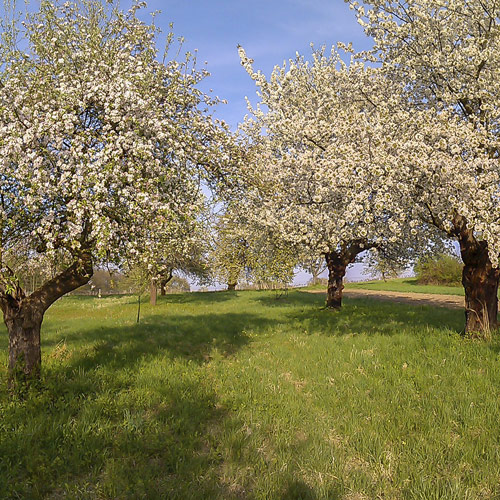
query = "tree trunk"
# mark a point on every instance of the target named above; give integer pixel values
(337, 266)
(23, 318)
(480, 281)
(138, 308)
(231, 287)
(337, 263)
(25, 355)
(153, 293)
(315, 278)
(481, 299)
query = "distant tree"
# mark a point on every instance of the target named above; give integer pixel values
(32, 268)
(245, 250)
(314, 265)
(178, 285)
(189, 260)
(230, 260)
(106, 281)
(382, 266)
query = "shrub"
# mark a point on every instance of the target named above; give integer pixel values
(441, 270)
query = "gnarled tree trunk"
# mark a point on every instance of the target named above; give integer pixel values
(480, 281)
(337, 263)
(23, 316)
(23, 324)
(231, 287)
(337, 266)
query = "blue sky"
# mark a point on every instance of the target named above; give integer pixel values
(270, 31)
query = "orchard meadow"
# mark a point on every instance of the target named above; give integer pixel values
(121, 185)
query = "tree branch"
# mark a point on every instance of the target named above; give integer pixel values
(75, 276)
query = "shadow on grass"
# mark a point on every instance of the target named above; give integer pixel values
(126, 412)
(389, 315)
(130, 413)
(154, 440)
(170, 298)
(200, 297)
(292, 298)
(366, 316)
(188, 336)
(299, 490)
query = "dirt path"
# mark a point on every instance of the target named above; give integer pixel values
(428, 299)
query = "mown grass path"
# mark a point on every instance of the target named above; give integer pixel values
(406, 285)
(246, 396)
(413, 298)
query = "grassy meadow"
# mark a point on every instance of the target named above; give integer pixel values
(245, 396)
(405, 285)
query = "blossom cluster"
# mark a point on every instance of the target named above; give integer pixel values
(398, 146)
(324, 177)
(447, 56)
(104, 141)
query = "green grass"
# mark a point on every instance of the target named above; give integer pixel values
(405, 285)
(242, 396)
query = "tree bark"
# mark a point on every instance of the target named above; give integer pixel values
(153, 293)
(25, 356)
(231, 287)
(480, 281)
(23, 316)
(337, 263)
(337, 266)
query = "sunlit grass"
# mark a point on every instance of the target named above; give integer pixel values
(406, 285)
(240, 395)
